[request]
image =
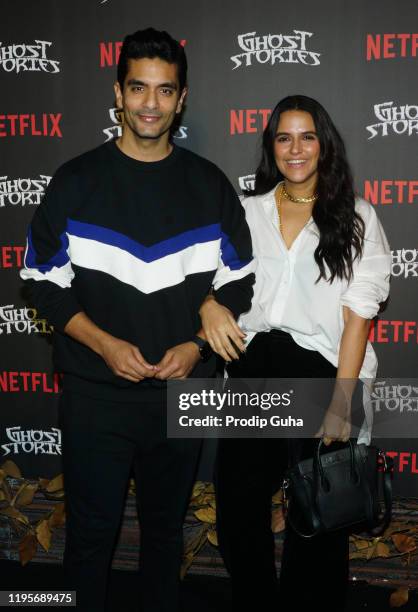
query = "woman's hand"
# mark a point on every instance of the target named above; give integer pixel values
(336, 425)
(337, 421)
(221, 329)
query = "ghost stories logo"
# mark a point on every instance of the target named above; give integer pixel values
(22, 321)
(405, 263)
(394, 397)
(33, 441)
(22, 191)
(23, 58)
(275, 48)
(247, 183)
(115, 130)
(394, 120)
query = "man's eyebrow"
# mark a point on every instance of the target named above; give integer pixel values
(168, 84)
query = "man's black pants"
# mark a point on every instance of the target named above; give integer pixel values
(102, 441)
(314, 572)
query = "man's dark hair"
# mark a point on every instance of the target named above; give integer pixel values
(151, 43)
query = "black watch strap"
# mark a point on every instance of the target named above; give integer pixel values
(205, 349)
(199, 341)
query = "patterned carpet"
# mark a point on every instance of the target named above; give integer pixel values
(199, 593)
(206, 587)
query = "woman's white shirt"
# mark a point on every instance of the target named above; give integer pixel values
(287, 296)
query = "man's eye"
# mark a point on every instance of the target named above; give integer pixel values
(167, 92)
(137, 88)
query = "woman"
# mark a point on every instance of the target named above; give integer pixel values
(323, 266)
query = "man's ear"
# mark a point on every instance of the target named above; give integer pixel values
(118, 94)
(181, 100)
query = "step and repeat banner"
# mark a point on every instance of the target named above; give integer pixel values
(57, 68)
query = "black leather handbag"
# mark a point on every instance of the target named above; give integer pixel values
(339, 490)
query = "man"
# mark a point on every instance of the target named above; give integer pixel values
(121, 253)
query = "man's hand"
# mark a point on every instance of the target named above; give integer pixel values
(178, 361)
(123, 358)
(126, 360)
(220, 328)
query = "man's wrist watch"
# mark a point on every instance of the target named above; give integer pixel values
(205, 348)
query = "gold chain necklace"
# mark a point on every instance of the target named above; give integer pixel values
(281, 192)
(296, 200)
(279, 205)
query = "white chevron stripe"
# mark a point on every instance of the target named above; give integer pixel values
(60, 276)
(146, 277)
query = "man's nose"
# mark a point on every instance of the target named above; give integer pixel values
(151, 99)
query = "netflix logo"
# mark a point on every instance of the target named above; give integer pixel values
(11, 256)
(46, 124)
(391, 46)
(404, 461)
(109, 52)
(30, 382)
(382, 332)
(248, 121)
(391, 192)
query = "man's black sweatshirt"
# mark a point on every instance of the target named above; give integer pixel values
(136, 246)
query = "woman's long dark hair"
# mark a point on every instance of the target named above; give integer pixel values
(341, 229)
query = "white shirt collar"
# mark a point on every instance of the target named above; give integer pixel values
(268, 201)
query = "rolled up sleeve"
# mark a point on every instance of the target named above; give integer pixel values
(369, 286)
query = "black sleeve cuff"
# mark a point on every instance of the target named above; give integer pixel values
(52, 302)
(236, 295)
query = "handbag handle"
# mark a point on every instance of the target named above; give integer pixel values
(318, 470)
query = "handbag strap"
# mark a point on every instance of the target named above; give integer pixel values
(386, 463)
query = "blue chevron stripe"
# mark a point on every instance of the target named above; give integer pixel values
(146, 254)
(57, 261)
(229, 255)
